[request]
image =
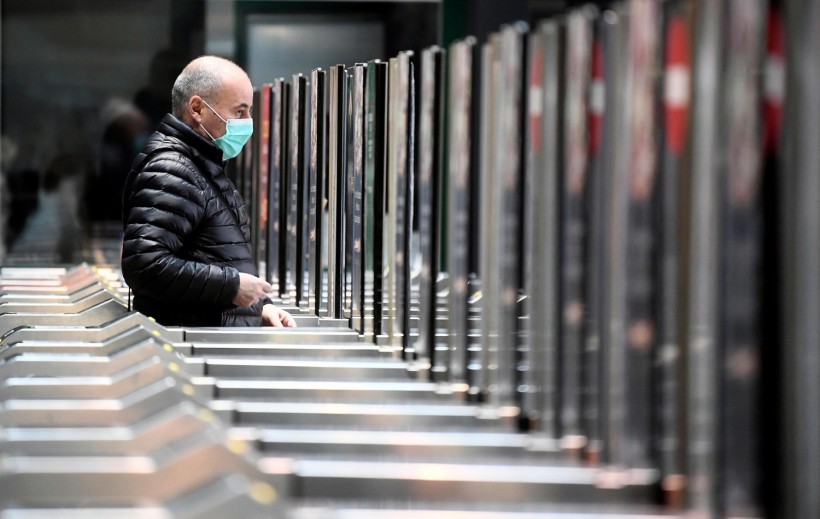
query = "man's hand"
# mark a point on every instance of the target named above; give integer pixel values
(276, 317)
(251, 290)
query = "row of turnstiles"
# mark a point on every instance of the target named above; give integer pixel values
(105, 413)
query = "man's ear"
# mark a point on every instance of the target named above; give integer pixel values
(195, 105)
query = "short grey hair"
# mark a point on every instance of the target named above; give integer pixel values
(197, 80)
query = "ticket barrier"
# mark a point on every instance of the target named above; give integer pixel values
(96, 333)
(335, 419)
(56, 277)
(336, 446)
(56, 482)
(69, 307)
(76, 285)
(95, 315)
(117, 426)
(306, 336)
(158, 445)
(346, 416)
(148, 435)
(362, 511)
(498, 484)
(106, 347)
(79, 297)
(10, 273)
(45, 297)
(358, 424)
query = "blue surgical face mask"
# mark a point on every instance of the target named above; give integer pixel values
(237, 133)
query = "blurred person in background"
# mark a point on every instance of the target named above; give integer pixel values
(8, 152)
(125, 131)
(53, 232)
(153, 99)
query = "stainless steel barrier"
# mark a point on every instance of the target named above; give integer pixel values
(97, 333)
(118, 425)
(95, 315)
(517, 331)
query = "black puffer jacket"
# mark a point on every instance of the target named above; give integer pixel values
(184, 245)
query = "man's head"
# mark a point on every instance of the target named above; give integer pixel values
(209, 91)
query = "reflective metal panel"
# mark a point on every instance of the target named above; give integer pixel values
(297, 218)
(355, 175)
(459, 178)
(262, 194)
(430, 149)
(574, 193)
(316, 187)
(336, 168)
(800, 269)
(490, 57)
(375, 177)
(507, 192)
(543, 217)
(97, 315)
(278, 183)
(462, 482)
(740, 214)
(399, 198)
(676, 115)
(703, 260)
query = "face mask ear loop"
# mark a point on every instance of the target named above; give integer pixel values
(206, 131)
(214, 111)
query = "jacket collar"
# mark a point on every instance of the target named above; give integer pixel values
(173, 127)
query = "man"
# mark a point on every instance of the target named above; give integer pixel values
(186, 250)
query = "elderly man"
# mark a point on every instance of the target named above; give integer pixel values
(186, 250)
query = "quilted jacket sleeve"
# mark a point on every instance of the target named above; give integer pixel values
(166, 204)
